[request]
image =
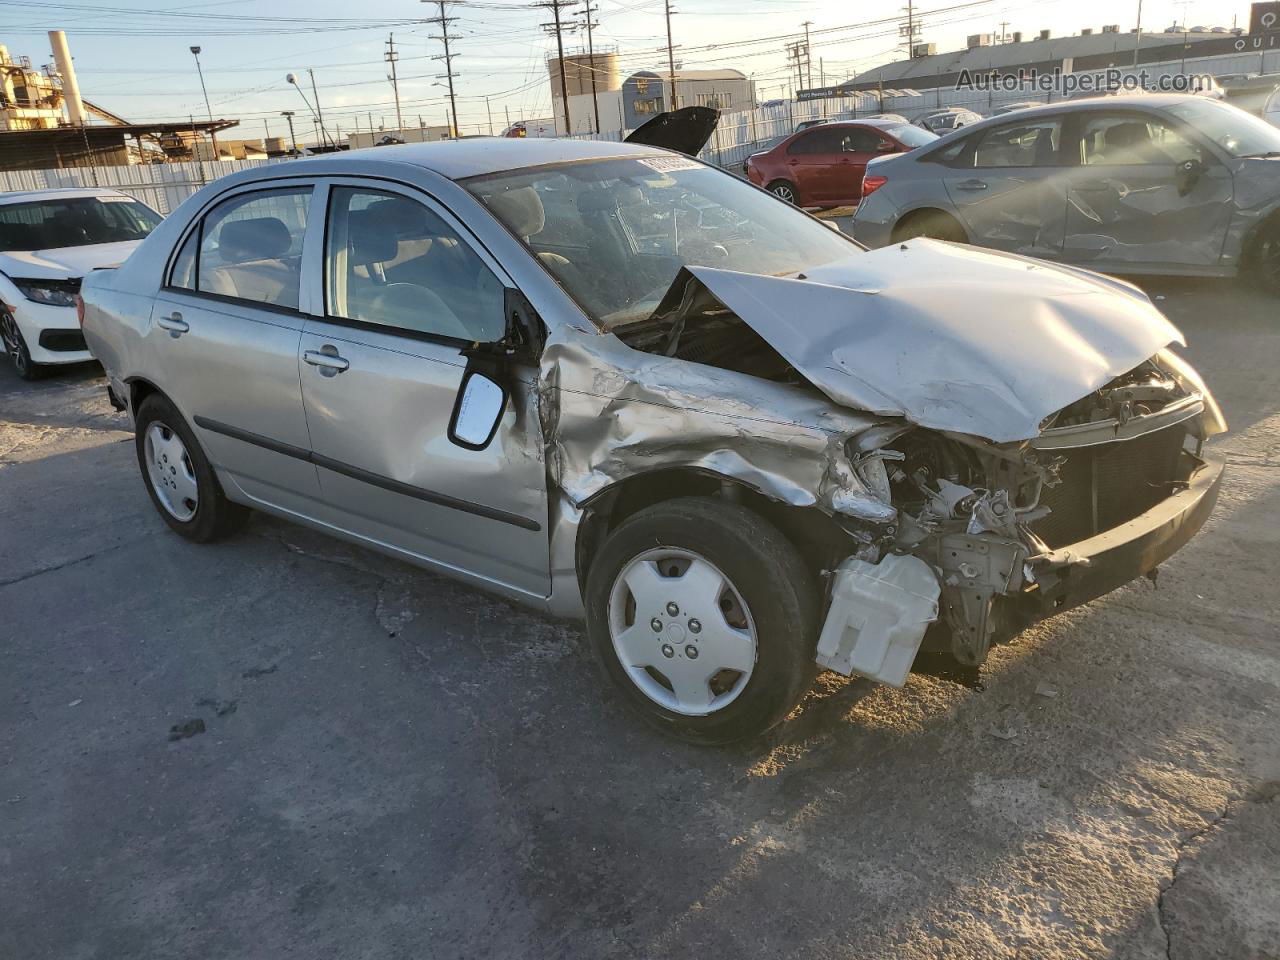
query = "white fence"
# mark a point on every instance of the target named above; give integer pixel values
(162, 186)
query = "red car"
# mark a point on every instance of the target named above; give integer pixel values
(822, 166)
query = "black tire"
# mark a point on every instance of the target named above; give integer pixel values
(786, 191)
(1264, 258)
(215, 516)
(16, 347)
(776, 588)
(933, 224)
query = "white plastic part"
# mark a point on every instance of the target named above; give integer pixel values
(879, 613)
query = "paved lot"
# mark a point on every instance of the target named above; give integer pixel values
(394, 766)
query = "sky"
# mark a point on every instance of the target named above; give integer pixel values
(132, 56)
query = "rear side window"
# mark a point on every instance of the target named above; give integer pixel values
(1024, 144)
(819, 141)
(248, 247)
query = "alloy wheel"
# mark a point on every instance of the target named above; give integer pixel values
(13, 344)
(681, 631)
(173, 478)
(784, 192)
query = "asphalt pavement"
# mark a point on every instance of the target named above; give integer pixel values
(284, 747)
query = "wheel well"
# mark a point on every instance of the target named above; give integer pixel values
(139, 390)
(818, 538)
(1250, 247)
(921, 214)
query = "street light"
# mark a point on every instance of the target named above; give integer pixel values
(315, 111)
(213, 138)
(293, 144)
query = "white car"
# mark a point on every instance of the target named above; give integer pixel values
(49, 239)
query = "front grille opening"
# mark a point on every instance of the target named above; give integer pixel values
(1104, 486)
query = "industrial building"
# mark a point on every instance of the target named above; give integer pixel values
(648, 93)
(46, 124)
(593, 83)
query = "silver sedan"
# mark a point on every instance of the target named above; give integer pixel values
(1141, 184)
(617, 384)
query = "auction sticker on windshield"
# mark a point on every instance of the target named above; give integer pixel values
(667, 164)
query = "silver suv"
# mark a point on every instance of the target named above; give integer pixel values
(617, 384)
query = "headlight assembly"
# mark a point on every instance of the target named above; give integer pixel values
(53, 293)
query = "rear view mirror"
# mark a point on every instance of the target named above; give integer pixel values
(477, 411)
(1188, 175)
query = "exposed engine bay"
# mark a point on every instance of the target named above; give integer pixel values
(990, 519)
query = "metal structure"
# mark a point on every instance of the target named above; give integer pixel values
(444, 20)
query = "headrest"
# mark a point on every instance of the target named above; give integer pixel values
(370, 239)
(405, 218)
(260, 238)
(520, 209)
(1127, 134)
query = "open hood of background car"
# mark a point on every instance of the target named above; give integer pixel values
(686, 130)
(948, 336)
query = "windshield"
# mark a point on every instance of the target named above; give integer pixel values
(616, 232)
(1240, 134)
(911, 136)
(73, 222)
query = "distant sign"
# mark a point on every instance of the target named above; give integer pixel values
(821, 93)
(1264, 17)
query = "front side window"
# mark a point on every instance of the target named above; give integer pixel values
(391, 261)
(248, 247)
(616, 232)
(73, 222)
(1126, 139)
(1026, 144)
(861, 140)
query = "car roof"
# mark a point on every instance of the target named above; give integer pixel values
(27, 196)
(1140, 101)
(476, 156)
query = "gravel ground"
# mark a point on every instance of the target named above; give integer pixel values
(281, 746)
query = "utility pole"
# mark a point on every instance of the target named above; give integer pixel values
(293, 143)
(391, 57)
(319, 113)
(808, 60)
(558, 27)
(671, 57)
(444, 20)
(489, 111)
(591, 57)
(1137, 35)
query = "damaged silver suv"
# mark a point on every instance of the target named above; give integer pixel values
(614, 383)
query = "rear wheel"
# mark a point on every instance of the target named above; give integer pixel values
(179, 478)
(784, 190)
(1264, 258)
(16, 347)
(703, 615)
(933, 224)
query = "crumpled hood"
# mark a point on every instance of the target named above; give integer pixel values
(949, 336)
(64, 262)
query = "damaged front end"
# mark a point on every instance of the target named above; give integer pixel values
(966, 486)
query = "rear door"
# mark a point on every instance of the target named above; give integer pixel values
(812, 163)
(224, 331)
(1008, 187)
(405, 290)
(1131, 203)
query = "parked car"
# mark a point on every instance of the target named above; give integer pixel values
(806, 124)
(949, 118)
(49, 239)
(1150, 184)
(1004, 108)
(823, 167)
(615, 383)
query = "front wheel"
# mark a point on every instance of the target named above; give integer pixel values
(703, 615)
(1264, 259)
(784, 190)
(179, 477)
(16, 347)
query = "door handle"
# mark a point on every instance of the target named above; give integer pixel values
(174, 324)
(326, 361)
(971, 185)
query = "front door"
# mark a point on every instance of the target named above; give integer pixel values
(1132, 202)
(405, 292)
(225, 329)
(1007, 186)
